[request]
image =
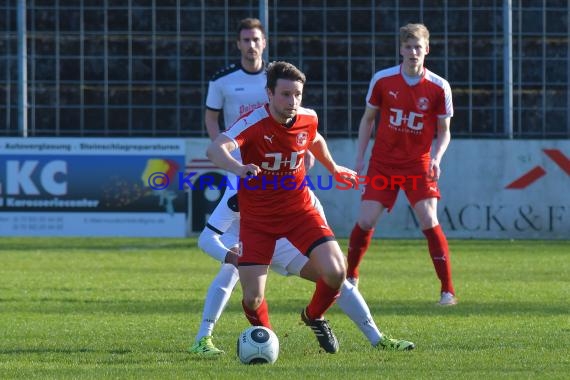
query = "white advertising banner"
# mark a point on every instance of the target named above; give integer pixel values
(496, 189)
(92, 187)
(490, 189)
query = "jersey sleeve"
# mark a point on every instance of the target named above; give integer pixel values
(374, 95)
(215, 97)
(447, 106)
(238, 132)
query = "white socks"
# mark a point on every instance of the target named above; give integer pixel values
(350, 301)
(353, 305)
(217, 297)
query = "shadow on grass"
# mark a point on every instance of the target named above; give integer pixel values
(77, 306)
(431, 308)
(467, 308)
(411, 308)
(43, 350)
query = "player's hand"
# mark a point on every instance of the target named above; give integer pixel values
(232, 257)
(249, 170)
(434, 170)
(348, 175)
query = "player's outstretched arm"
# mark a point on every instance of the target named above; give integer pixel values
(320, 150)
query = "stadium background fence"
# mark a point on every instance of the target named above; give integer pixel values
(140, 68)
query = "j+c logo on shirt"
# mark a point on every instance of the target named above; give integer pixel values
(412, 119)
(279, 162)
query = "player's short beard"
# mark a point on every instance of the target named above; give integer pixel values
(286, 116)
(252, 57)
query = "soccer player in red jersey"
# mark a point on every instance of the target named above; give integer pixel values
(274, 202)
(414, 105)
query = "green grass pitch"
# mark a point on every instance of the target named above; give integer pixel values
(129, 309)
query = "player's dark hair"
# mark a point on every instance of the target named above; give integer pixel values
(283, 70)
(249, 23)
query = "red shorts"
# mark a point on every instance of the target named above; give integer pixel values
(305, 232)
(384, 183)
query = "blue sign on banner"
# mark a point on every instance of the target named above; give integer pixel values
(135, 188)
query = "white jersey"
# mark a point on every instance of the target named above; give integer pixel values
(236, 92)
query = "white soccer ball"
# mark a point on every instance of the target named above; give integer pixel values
(257, 345)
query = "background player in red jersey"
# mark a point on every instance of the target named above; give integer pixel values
(414, 104)
(273, 141)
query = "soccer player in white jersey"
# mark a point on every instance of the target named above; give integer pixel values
(240, 87)
(237, 89)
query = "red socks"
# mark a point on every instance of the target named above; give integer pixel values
(439, 252)
(357, 246)
(322, 300)
(258, 317)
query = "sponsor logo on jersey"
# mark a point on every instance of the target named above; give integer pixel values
(245, 108)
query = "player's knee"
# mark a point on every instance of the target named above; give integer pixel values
(366, 223)
(334, 277)
(428, 221)
(252, 301)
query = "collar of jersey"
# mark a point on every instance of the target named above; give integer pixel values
(263, 67)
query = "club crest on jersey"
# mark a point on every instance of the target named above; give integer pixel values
(302, 138)
(423, 103)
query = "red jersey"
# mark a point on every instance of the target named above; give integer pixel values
(408, 115)
(277, 192)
